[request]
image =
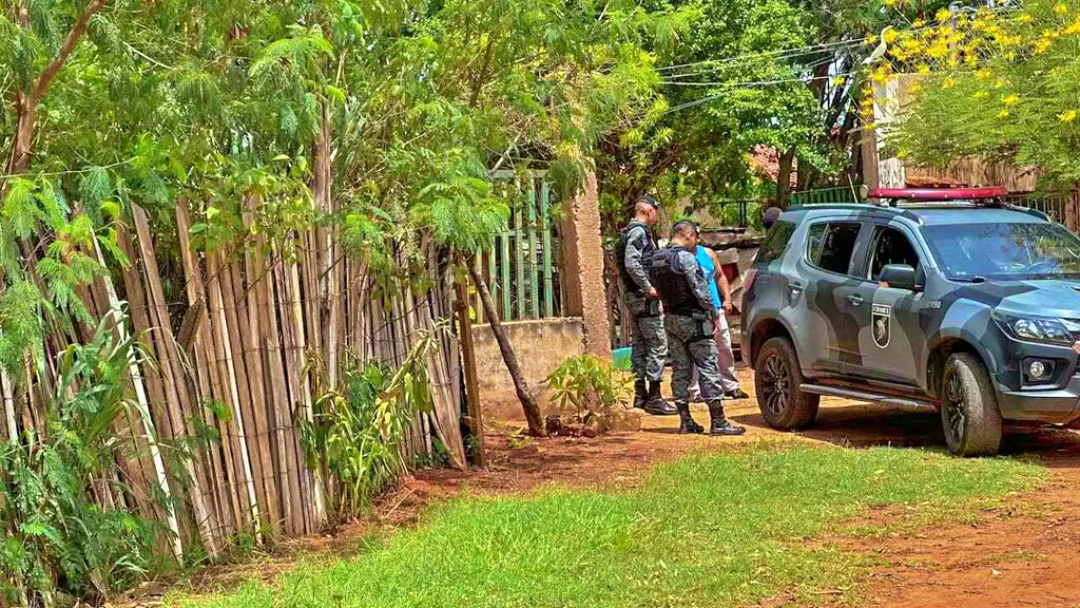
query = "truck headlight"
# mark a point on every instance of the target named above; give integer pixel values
(1033, 329)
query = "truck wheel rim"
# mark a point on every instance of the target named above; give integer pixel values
(952, 405)
(777, 385)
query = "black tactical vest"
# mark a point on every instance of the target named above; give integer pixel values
(670, 282)
(646, 255)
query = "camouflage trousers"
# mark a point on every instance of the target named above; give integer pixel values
(649, 341)
(690, 346)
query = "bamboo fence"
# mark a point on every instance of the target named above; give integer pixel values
(238, 355)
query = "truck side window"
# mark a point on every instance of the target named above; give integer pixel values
(891, 247)
(776, 242)
(830, 246)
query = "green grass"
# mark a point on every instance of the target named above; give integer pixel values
(719, 530)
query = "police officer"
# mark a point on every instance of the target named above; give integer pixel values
(634, 254)
(690, 321)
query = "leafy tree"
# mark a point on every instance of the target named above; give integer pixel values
(999, 85)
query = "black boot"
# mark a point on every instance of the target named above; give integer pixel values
(720, 424)
(687, 426)
(641, 394)
(655, 404)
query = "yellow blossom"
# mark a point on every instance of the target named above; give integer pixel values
(1024, 18)
(981, 95)
(1061, 8)
(1067, 117)
(890, 35)
(984, 74)
(1010, 100)
(949, 83)
(891, 3)
(924, 69)
(943, 15)
(918, 23)
(1003, 114)
(839, 81)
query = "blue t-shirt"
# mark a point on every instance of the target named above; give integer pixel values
(709, 268)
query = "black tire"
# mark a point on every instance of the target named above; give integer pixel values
(969, 411)
(777, 380)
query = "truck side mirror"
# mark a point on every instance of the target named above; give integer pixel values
(901, 276)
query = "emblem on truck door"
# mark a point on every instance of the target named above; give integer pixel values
(881, 318)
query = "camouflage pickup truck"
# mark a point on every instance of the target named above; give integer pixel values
(948, 300)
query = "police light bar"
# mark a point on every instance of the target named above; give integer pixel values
(937, 194)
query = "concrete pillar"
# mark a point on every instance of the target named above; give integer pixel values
(583, 267)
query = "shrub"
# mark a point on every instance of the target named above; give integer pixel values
(354, 441)
(589, 388)
(56, 538)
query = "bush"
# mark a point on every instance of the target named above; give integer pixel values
(354, 442)
(590, 389)
(56, 538)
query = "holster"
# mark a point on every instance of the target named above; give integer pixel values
(703, 325)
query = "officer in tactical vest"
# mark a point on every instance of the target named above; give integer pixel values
(690, 320)
(634, 254)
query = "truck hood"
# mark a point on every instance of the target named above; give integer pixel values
(1042, 298)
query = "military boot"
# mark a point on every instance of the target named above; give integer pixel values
(687, 426)
(655, 404)
(641, 394)
(720, 424)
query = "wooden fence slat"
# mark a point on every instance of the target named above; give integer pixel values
(545, 223)
(519, 261)
(533, 281)
(176, 394)
(293, 454)
(205, 378)
(506, 287)
(228, 371)
(147, 419)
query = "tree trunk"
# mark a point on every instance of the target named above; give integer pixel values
(26, 103)
(783, 180)
(528, 402)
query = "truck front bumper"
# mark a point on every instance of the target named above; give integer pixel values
(1057, 406)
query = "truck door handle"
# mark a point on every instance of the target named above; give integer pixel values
(794, 288)
(855, 300)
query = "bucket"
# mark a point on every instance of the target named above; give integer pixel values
(621, 358)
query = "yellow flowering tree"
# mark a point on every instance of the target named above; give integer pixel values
(1002, 84)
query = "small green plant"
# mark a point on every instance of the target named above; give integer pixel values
(354, 441)
(589, 387)
(66, 528)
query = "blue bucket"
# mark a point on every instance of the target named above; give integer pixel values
(621, 358)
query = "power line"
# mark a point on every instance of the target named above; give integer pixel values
(757, 83)
(778, 54)
(811, 49)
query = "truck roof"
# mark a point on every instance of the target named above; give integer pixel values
(932, 214)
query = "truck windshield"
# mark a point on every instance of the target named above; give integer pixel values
(1009, 252)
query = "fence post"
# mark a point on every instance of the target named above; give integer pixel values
(583, 265)
(1071, 209)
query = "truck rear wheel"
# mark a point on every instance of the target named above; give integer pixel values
(969, 410)
(777, 380)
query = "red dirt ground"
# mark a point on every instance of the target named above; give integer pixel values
(1024, 555)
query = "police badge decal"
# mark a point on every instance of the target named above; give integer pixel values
(881, 320)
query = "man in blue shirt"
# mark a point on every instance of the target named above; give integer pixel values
(714, 274)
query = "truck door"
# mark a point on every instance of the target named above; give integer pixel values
(829, 328)
(891, 337)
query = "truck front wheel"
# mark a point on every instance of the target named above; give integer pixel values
(969, 410)
(778, 383)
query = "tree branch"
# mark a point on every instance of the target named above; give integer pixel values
(41, 85)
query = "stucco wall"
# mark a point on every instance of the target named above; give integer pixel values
(540, 346)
